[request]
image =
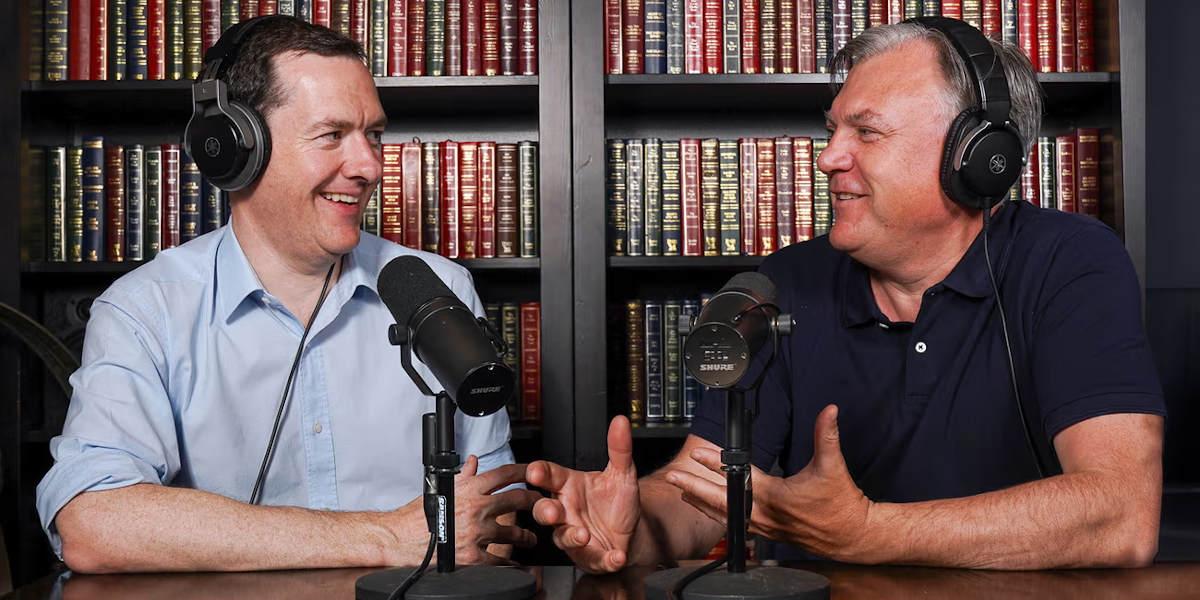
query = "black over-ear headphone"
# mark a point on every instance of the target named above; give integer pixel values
(228, 140)
(983, 155)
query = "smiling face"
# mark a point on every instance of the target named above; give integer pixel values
(887, 128)
(326, 158)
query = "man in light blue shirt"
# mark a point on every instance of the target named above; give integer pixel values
(185, 360)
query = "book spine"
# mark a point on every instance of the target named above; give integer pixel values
(843, 24)
(713, 45)
(135, 202)
(169, 221)
(949, 8)
(57, 32)
(231, 14)
(490, 36)
(749, 17)
(1064, 150)
(655, 402)
(449, 157)
(822, 203)
(802, 174)
(823, 33)
(176, 44)
(860, 16)
(527, 41)
(652, 174)
(114, 203)
(1085, 44)
(689, 178)
(391, 199)
(93, 199)
(670, 199)
(56, 203)
(378, 36)
(1047, 183)
(972, 13)
(635, 332)
(508, 36)
(397, 38)
(322, 13)
(730, 207)
(510, 332)
(877, 13)
(531, 362)
(487, 200)
(304, 10)
(339, 15)
(710, 197)
(152, 210)
(468, 209)
(787, 36)
(416, 37)
(806, 58)
(1047, 35)
(435, 37)
(748, 182)
(655, 12)
(32, 197)
(118, 39)
(35, 26)
(634, 198)
(453, 37)
(1065, 36)
(768, 36)
(1027, 29)
(766, 195)
(212, 208)
(693, 36)
(210, 26)
(675, 37)
(506, 200)
(633, 40)
(431, 195)
(156, 39)
(286, 7)
(895, 10)
(672, 362)
(189, 199)
(80, 47)
(691, 387)
(472, 38)
(1008, 21)
(371, 215)
(785, 200)
(732, 30)
(1088, 171)
(74, 225)
(247, 9)
(1030, 178)
(931, 8)
(527, 197)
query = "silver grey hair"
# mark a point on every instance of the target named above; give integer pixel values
(963, 92)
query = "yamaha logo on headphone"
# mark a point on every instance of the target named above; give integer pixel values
(998, 164)
(212, 147)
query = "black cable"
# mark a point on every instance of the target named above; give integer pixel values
(255, 494)
(676, 591)
(412, 578)
(1012, 369)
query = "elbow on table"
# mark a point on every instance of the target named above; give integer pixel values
(84, 549)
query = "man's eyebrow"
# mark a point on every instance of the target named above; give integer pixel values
(862, 117)
(342, 124)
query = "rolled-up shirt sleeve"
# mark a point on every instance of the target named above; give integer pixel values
(120, 427)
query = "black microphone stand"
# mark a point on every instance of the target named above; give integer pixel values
(441, 465)
(737, 581)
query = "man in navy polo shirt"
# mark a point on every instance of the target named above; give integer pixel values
(891, 409)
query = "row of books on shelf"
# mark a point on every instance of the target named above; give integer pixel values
(658, 389)
(801, 36)
(519, 325)
(166, 39)
(459, 199)
(752, 196)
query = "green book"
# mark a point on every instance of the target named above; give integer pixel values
(730, 204)
(56, 203)
(670, 199)
(618, 224)
(652, 175)
(435, 37)
(527, 198)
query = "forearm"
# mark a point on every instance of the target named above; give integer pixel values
(147, 527)
(670, 529)
(1084, 519)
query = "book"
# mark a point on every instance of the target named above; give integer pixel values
(614, 37)
(1066, 187)
(785, 200)
(193, 38)
(448, 156)
(1027, 29)
(377, 36)
(748, 184)
(173, 41)
(842, 26)
(766, 195)
(635, 332)
(156, 39)
(453, 37)
(431, 198)
(212, 207)
(749, 16)
(674, 16)
(135, 202)
(527, 37)
(506, 200)
(372, 216)
(169, 220)
(713, 47)
(472, 37)
(634, 198)
(510, 332)
(672, 362)
(416, 37)
(118, 38)
(730, 207)
(822, 203)
(531, 362)
(859, 16)
(487, 200)
(787, 36)
(391, 199)
(732, 36)
(671, 200)
(152, 210)
(32, 212)
(710, 197)
(468, 210)
(633, 40)
(655, 44)
(92, 197)
(655, 407)
(822, 33)
(137, 49)
(79, 17)
(802, 175)
(189, 199)
(768, 36)
(56, 203)
(693, 36)
(56, 45)
(1085, 45)
(114, 203)
(1087, 171)
(689, 186)
(490, 36)
(1030, 178)
(691, 387)
(1065, 36)
(1047, 183)
(1047, 35)
(411, 178)
(509, 37)
(652, 173)
(435, 37)
(990, 18)
(527, 198)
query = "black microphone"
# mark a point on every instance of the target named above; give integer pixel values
(446, 336)
(730, 329)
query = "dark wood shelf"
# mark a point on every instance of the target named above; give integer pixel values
(661, 430)
(683, 262)
(120, 268)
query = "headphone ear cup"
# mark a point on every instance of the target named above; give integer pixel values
(252, 161)
(952, 184)
(992, 163)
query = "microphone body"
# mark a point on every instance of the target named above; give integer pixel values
(730, 329)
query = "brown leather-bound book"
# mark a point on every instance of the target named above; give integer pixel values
(397, 38)
(802, 174)
(114, 202)
(748, 189)
(169, 219)
(635, 360)
(952, 9)
(486, 247)
(785, 199)
(750, 56)
(449, 159)
(416, 37)
(787, 36)
(633, 36)
(490, 37)
(506, 200)
(454, 37)
(468, 203)
(895, 11)
(391, 199)
(358, 23)
(247, 9)
(768, 36)
(79, 50)
(1066, 189)
(714, 54)
(766, 195)
(1085, 44)
(411, 175)
(689, 187)
(531, 362)
(527, 37)
(876, 12)
(1088, 171)
(614, 35)
(991, 18)
(472, 41)
(268, 7)
(1065, 36)
(1047, 35)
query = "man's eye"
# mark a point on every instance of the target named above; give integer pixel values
(376, 137)
(334, 135)
(863, 131)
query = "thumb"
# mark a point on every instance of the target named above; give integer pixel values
(827, 443)
(470, 466)
(620, 445)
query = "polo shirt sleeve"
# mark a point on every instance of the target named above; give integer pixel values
(1089, 353)
(119, 429)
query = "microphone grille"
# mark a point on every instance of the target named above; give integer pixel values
(757, 284)
(406, 283)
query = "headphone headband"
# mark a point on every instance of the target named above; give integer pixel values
(224, 53)
(984, 65)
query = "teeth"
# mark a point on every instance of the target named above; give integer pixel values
(848, 196)
(343, 198)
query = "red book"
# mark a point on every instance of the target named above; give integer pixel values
(633, 28)
(527, 34)
(768, 36)
(766, 195)
(802, 171)
(210, 24)
(750, 54)
(1065, 36)
(1027, 30)
(953, 9)
(693, 36)
(614, 34)
(489, 25)
(1066, 187)
(358, 22)
(448, 155)
(1085, 45)
(895, 11)
(531, 362)
(1088, 171)
(322, 13)
(156, 43)
(247, 9)
(453, 52)
(748, 192)
(689, 195)
(787, 36)
(410, 173)
(877, 11)
(468, 204)
(391, 198)
(1047, 35)
(79, 48)
(169, 213)
(487, 200)
(416, 37)
(806, 55)
(1031, 179)
(785, 198)
(99, 41)
(992, 20)
(267, 7)
(397, 38)
(114, 202)
(472, 38)
(714, 46)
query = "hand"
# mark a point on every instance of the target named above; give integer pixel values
(476, 510)
(594, 514)
(819, 508)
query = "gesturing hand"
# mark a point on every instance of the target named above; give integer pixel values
(819, 508)
(476, 509)
(594, 514)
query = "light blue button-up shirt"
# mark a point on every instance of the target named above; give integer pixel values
(184, 363)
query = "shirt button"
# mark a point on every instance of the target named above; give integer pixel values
(316, 427)
(920, 347)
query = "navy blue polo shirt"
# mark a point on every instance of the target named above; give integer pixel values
(926, 409)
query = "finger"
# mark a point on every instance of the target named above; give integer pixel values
(705, 491)
(549, 476)
(470, 466)
(709, 458)
(620, 445)
(490, 481)
(570, 538)
(716, 514)
(487, 558)
(549, 512)
(827, 445)
(511, 534)
(614, 560)
(511, 501)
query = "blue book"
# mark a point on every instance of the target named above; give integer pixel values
(635, 197)
(691, 387)
(656, 36)
(93, 199)
(189, 199)
(655, 409)
(823, 33)
(652, 186)
(212, 207)
(135, 202)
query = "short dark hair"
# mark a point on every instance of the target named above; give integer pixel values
(252, 79)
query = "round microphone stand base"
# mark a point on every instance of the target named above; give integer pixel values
(758, 583)
(476, 582)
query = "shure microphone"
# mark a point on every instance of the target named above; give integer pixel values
(730, 329)
(446, 336)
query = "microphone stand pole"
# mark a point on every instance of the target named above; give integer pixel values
(735, 459)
